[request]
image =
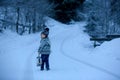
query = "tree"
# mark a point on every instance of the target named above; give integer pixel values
(101, 10)
(29, 13)
(66, 10)
(115, 10)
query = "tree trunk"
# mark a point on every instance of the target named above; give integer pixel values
(34, 21)
(5, 15)
(17, 22)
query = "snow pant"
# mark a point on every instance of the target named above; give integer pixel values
(45, 61)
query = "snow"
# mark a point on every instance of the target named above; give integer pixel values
(73, 56)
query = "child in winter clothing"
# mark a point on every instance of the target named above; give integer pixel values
(44, 50)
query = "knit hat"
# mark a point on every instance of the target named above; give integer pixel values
(47, 29)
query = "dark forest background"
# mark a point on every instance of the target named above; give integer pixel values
(28, 16)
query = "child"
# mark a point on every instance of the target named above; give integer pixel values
(44, 50)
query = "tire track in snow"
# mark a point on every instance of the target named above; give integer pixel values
(83, 62)
(28, 74)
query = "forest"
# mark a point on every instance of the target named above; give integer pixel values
(28, 16)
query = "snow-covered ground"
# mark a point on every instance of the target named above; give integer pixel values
(73, 56)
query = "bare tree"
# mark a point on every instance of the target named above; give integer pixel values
(29, 13)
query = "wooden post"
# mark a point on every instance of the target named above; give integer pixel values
(94, 44)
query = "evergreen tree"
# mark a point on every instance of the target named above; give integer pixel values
(66, 10)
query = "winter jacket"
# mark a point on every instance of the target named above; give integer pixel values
(44, 46)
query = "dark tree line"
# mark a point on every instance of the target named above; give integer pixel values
(66, 10)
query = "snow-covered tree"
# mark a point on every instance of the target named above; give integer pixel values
(115, 17)
(26, 14)
(99, 15)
